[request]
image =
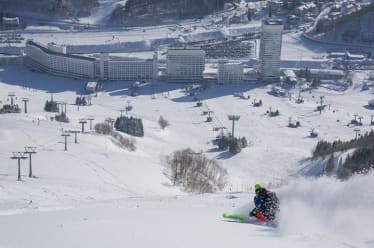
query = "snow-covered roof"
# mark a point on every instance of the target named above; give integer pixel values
(49, 51)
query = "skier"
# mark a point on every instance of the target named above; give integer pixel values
(266, 205)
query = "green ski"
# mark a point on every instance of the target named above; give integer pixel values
(235, 217)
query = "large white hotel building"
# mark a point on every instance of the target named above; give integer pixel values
(229, 73)
(270, 50)
(54, 59)
(185, 65)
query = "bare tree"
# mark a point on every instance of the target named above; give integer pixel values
(195, 172)
(163, 123)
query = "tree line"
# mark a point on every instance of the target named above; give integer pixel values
(361, 160)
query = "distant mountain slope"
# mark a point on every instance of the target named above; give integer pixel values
(58, 8)
(114, 11)
(355, 26)
(154, 9)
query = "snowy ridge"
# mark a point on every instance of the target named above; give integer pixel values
(103, 12)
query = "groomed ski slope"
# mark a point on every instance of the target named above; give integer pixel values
(97, 194)
(315, 213)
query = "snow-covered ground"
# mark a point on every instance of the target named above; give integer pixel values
(315, 213)
(97, 194)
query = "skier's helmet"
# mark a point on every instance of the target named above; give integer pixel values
(257, 187)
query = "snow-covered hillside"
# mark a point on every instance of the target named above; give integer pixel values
(97, 194)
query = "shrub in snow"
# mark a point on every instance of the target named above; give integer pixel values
(118, 138)
(62, 117)
(81, 100)
(124, 142)
(51, 106)
(8, 108)
(103, 128)
(313, 133)
(163, 123)
(195, 172)
(235, 145)
(130, 125)
(273, 113)
(243, 142)
(257, 104)
(128, 108)
(223, 142)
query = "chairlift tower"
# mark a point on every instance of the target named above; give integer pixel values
(82, 122)
(75, 132)
(25, 100)
(233, 118)
(30, 150)
(90, 118)
(66, 135)
(19, 156)
(11, 95)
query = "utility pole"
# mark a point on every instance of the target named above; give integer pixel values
(90, 118)
(75, 132)
(18, 156)
(321, 104)
(11, 95)
(66, 135)
(83, 122)
(30, 150)
(233, 118)
(25, 100)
